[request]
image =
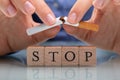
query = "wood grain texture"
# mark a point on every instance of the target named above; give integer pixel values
(70, 56)
(61, 56)
(53, 56)
(87, 56)
(35, 56)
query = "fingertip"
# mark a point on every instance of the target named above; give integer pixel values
(78, 10)
(50, 19)
(44, 12)
(10, 11)
(72, 18)
(28, 8)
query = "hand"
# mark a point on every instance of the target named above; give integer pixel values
(106, 15)
(15, 18)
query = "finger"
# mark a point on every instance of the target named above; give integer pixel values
(38, 6)
(96, 16)
(45, 35)
(79, 33)
(78, 10)
(100, 4)
(44, 12)
(100, 7)
(25, 6)
(7, 8)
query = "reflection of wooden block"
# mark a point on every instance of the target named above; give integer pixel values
(87, 56)
(35, 56)
(52, 56)
(70, 56)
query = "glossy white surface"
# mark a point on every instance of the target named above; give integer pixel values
(14, 68)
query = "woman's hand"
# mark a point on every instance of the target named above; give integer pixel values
(15, 18)
(106, 14)
(11, 7)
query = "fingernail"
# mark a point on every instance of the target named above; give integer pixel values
(29, 8)
(11, 11)
(72, 17)
(51, 19)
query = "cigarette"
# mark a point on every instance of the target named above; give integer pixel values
(67, 23)
(89, 26)
(84, 25)
(59, 21)
(43, 27)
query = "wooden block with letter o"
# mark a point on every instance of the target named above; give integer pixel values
(53, 56)
(70, 56)
(35, 56)
(87, 56)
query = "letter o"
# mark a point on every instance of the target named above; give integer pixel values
(72, 59)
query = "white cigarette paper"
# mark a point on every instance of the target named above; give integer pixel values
(67, 23)
(43, 27)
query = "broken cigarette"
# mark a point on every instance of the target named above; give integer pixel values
(42, 27)
(89, 26)
(84, 25)
(64, 20)
(59, 21)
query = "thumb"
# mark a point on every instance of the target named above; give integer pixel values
(45, 35)
(80, 33)
(41, 36)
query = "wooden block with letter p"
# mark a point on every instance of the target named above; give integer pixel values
(70, 56)
(87, 56)
(53, 56)
(35, 56)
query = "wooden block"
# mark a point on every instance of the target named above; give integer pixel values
(52, 56)
(87, 56)
(70, 56)
(35, 56)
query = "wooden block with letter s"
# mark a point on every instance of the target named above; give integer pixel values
(35, 56)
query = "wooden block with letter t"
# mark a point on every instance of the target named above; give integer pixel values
(35, 56)
(87, 56)
(53, 56)
(70, 56)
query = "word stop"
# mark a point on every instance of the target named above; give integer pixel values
(61, 56)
